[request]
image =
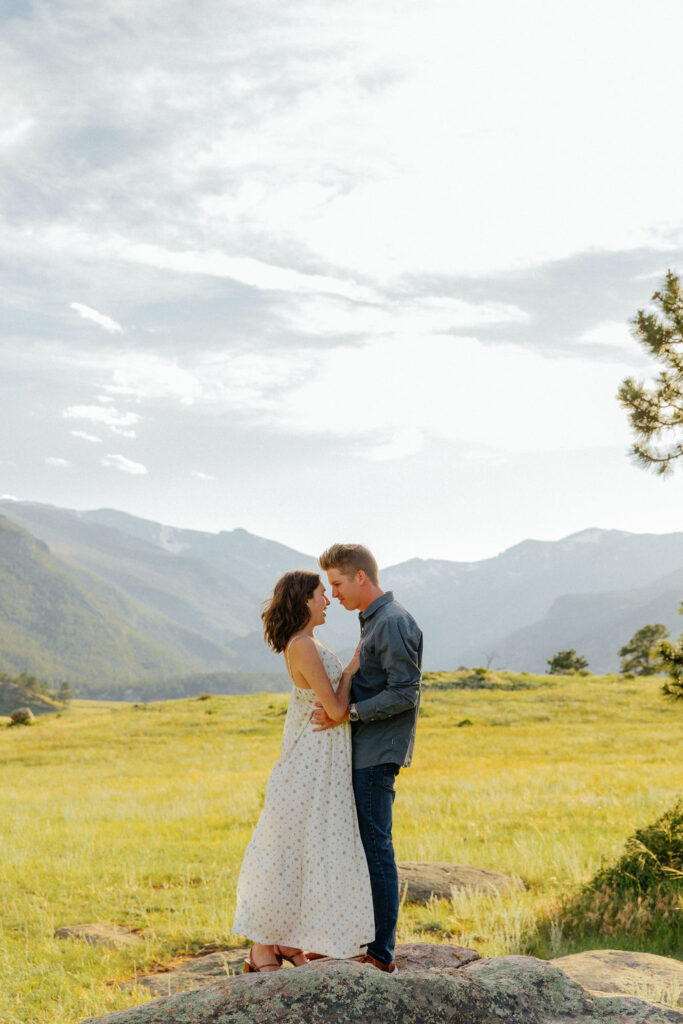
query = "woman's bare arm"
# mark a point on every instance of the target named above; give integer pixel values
(309, 673)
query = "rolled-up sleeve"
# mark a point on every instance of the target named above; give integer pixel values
(398, 651)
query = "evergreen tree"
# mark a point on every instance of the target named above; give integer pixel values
(671, 655)
(566, 662)
(65, 693)
(657, 412)
(640, 656)
(29, 684)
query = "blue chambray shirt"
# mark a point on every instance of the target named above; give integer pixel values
(386, 687)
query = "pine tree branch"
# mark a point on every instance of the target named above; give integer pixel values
(657, 411)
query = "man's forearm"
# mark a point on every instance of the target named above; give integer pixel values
(397, 697)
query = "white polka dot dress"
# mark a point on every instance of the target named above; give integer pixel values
(304, 880)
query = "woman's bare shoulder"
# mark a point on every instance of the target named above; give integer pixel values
(301, 646)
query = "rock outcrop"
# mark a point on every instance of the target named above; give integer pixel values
(197, 972)
(514, 990)
(208, 968)
(609, 971)
(524, 990)
(22, 716)
(439, 879)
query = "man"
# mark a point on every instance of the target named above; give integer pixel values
(385, 695)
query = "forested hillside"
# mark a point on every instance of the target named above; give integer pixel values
(58, 624)
(122, 605)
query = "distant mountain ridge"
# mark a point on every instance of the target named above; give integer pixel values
(594, 623)
(56, 627)
(475, 609)
(182, 602)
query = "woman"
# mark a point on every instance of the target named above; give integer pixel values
(304, 881)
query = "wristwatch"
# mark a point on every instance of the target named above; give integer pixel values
(353, 713)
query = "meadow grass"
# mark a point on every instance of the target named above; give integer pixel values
(139, 816)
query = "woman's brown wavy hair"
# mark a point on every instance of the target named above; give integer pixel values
(286, 611)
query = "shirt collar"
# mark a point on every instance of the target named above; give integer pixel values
(383, 599)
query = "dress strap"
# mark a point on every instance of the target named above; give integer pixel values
(297, 636)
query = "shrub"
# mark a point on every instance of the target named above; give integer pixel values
(654, 856)
(640, 895)
(566, 663)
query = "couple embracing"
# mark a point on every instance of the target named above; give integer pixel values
(319, 874)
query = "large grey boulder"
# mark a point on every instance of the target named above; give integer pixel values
(513, 990)
(620, 971)
(428, 956)
(112, 935)
(439, 879)
(216, 966)
(524, 990)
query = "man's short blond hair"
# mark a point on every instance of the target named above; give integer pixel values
(349, 559)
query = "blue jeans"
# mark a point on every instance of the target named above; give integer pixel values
(373, 789)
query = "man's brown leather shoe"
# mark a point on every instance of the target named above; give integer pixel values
(387, 968)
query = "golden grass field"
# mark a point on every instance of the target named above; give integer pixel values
(139, 816)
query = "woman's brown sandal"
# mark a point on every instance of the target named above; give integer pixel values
(291, 959)
(251, 968)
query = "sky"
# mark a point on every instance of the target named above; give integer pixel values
(337, 271)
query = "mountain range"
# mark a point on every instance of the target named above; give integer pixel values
(109, 600)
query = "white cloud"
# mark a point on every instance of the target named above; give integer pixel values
(198, 475)
(9, 497)
(54, 460)
(468, 183)
(108, 416)
(611, 334)
(125, 465)
(322, 316)
(616, 341)
(388, 395)
(86, 437)
(405, 441)
(245, 269)
(238, 376)
(254, 381)
(140, 376)
(98, 318)
(504, 398)
(364, 141)
(16, 133)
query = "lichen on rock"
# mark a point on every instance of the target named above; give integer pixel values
(513, 990)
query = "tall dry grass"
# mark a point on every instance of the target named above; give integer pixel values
(140, 817)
